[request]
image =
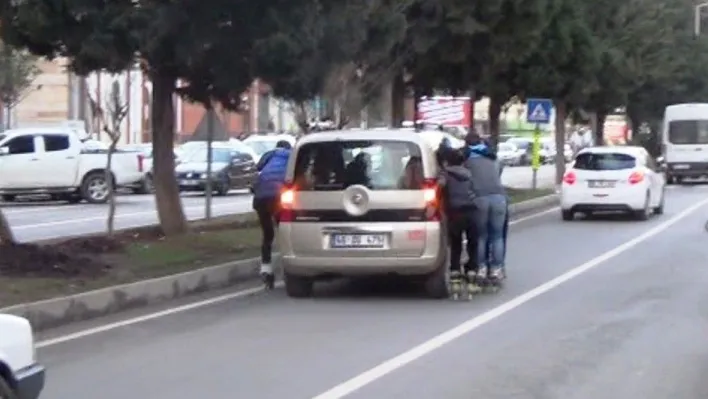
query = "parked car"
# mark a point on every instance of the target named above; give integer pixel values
(524, 144)
(624, 179)
(509, 154)
(262, 143)
(21, 376)
(53, 162)
(547, 152)
(230, 169)
(345, 213)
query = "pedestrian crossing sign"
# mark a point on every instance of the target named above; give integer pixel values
(538, 110)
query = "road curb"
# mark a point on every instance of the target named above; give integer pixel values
(89, 305)
(56, 312)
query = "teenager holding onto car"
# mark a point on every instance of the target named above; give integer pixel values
(266, 200)
(491, 203)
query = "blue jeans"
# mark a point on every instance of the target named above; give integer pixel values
(491, 217)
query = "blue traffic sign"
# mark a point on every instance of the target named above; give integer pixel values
(538, 110)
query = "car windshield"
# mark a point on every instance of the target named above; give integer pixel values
(522, 144)
(378, 165)
(604, 161)
(221, 155)
(261, 146)
(506, 147)
(688, 132)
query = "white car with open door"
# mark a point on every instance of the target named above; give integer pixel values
(613, 179)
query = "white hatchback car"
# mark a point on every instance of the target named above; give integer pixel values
(625, 179)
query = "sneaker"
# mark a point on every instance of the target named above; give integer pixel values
(482, 272)
(266, 268)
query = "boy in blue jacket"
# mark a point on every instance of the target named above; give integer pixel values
(266, 201)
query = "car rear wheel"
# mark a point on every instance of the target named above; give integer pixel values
(95, 188)
(436, 283)
(567, 215)
(223, 188)
(644, 213)
(298, 286)
(659, 210)
(5, 391)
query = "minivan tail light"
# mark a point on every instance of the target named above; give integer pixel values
(636, 178)
(569, 178)
(432, 203)
(141, 163)
(287, 199)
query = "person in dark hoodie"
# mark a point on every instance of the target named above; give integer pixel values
(491, 203)
(458, 199)
(266, 200)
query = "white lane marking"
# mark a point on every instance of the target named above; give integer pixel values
(195, 305)
(350, 386)
(118, 216)
(156, 315)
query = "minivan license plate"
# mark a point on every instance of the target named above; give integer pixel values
(357, 240)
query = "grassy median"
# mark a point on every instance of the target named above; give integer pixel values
(32, 272)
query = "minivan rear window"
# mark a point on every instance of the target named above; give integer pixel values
(688, 132)
(376, 164)
(604, 161)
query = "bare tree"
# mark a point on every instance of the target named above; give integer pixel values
(109, 118)
(18, 69)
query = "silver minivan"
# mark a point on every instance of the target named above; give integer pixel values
(362, 203)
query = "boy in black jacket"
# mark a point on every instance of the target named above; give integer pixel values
(458, 194)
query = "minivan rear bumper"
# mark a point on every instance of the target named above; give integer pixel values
(362, 266)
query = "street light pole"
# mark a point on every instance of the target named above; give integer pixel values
(697, 18)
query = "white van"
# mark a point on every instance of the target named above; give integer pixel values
(685, 141)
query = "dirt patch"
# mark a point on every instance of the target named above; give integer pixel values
(30, 272)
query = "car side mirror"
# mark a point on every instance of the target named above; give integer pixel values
(4, 151)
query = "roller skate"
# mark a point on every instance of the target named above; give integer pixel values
(472, 284)
(456, 285)
(480, 278)
(496, 278)
(267, 276)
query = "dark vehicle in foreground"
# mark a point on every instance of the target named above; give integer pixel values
(230, 169)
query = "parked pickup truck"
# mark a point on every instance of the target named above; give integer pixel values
(53, 161)
(21, 377)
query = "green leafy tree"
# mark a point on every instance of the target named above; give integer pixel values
(205, 44)
(634, 38)
(563, 68)
(340, 49)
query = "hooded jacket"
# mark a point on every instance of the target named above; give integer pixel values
(485, 171)
(459, 190)
(272, 174)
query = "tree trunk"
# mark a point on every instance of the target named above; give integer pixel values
(473, 100)
(561, 115)
(495, 108)
(167, 199)
(600, 132)
(6, 235)
(398, 97)
(110, 221)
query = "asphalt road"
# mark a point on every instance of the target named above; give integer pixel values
(32, 221)
(602, 308)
